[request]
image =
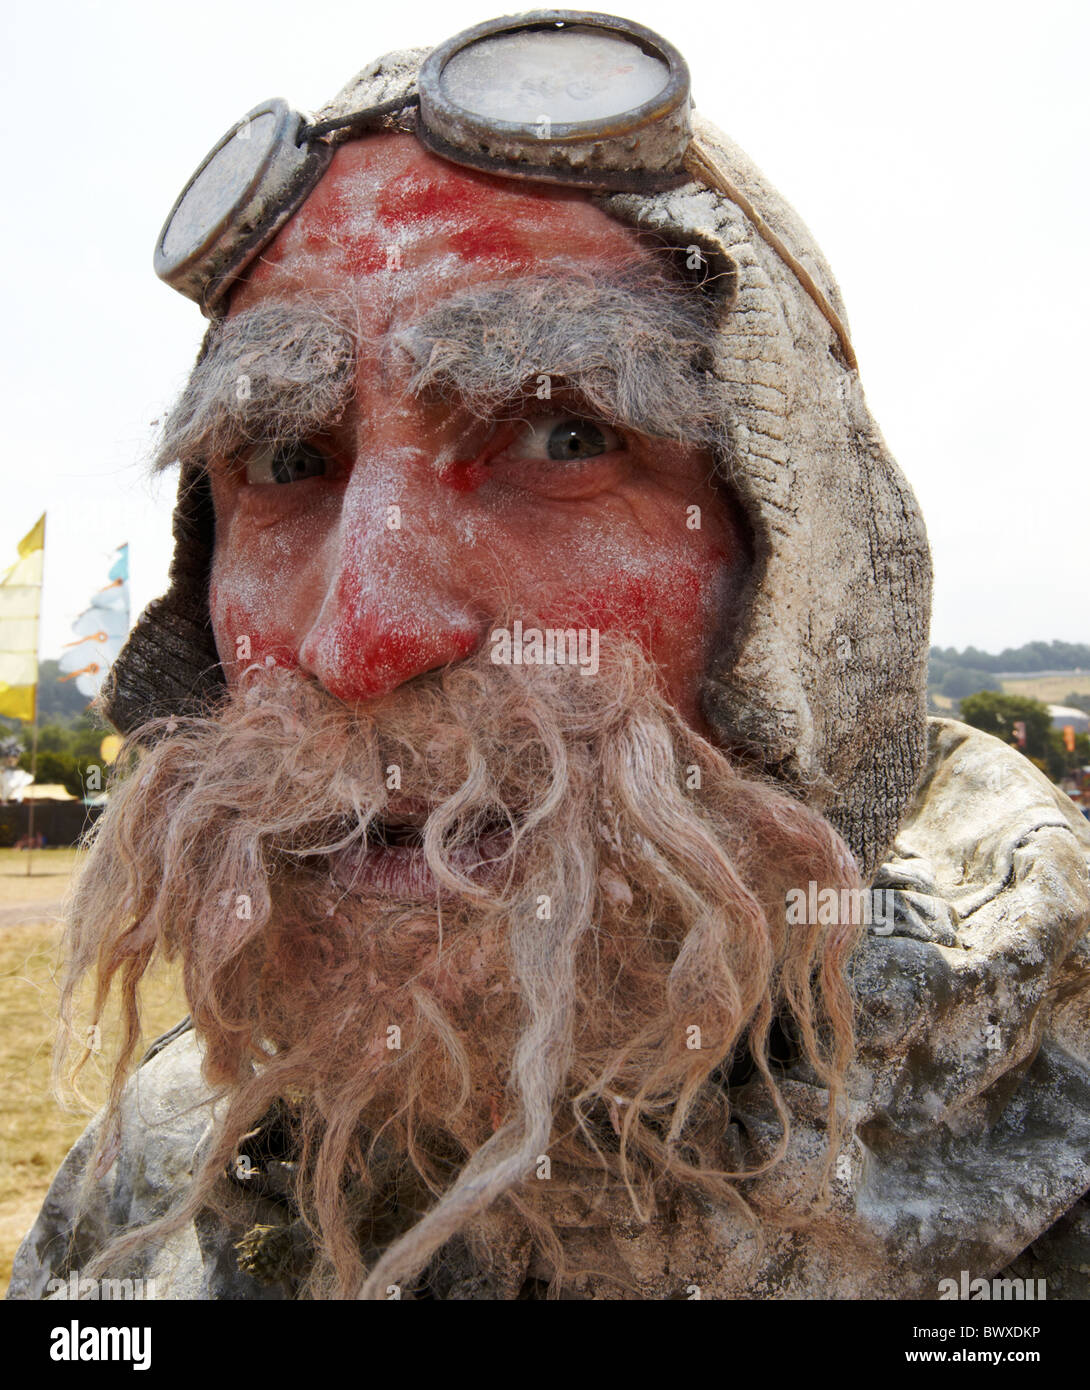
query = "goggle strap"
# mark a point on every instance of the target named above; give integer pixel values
(358, 121)
(703, 165)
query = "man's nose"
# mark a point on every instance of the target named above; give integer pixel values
(394, 603)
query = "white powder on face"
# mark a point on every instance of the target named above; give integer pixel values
(417, 268)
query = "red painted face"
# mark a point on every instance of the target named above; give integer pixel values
(418, 529)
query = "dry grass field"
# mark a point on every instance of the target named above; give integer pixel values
(35, 1131)
(1051, 689)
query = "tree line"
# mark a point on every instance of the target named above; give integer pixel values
(960, 673)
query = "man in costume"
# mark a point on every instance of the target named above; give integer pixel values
(528, 763)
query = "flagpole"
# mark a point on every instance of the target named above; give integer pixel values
(37, 686)
(34, 778)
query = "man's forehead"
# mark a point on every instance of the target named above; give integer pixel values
(396, 224)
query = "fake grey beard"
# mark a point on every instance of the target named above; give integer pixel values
(665, 901)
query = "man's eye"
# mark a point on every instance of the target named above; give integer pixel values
(564, 437)
(285, 463)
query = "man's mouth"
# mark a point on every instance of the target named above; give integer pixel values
(391, 860)
(397, 832)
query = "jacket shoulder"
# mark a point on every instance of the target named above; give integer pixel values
(166, 1109)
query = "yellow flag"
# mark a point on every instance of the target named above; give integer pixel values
(20, 603)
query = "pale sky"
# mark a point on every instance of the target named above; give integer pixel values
(937, 152)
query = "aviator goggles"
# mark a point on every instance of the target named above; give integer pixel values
(566, 97)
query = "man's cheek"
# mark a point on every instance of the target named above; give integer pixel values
(265, 585)
(245, 636)
(665, 606)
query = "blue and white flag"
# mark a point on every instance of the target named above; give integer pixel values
(100, 631)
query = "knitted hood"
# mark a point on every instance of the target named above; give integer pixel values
(822, 682)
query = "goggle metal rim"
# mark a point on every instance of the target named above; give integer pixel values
(666, 115)
(279, 183)
(594, 180)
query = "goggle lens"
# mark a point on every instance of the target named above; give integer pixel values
(224, 181)
(561, 76)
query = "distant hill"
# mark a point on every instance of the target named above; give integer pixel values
(1067, 689)
(1033, 657)
(57, 699)
(1054, 672)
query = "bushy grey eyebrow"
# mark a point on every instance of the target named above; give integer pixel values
(637, 351)
(272, 373)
